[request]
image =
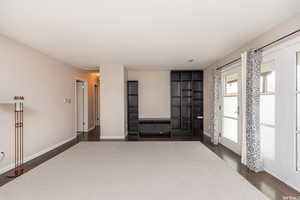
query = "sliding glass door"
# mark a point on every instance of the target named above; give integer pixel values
(231, 134)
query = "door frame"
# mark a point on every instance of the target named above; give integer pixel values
(86, 114)
(236, 147)
(97, 103)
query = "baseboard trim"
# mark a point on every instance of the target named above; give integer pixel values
(85, 131)
(29, 158)
(104, 137)
(206, 133)
(92, 128)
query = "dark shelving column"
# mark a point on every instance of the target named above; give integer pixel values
(197, 104)
(187, 103)
(133, 113)
(175, 102)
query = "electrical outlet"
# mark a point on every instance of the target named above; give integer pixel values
(67, 100)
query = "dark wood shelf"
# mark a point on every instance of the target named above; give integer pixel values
(129, 106)
(198, 99)
(155, 127)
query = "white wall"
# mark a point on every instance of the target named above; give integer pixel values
(112, 101)
(45, 83)
(154, 93)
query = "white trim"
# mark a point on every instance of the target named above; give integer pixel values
(92, 128)
(243, 109)
(103, 137)
(85, 131)
(86, 103)
(268, 125)
(11, 166)
(207, 134)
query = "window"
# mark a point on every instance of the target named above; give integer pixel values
(267, 107)
(267, 78)
(230, 106)
(298, 113)
(231, 87)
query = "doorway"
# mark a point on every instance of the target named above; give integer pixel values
(231, 120)
(80, 106)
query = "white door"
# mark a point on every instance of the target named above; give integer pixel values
(80, 105)
(231, 123)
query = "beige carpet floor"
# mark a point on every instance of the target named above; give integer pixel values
(132, 171)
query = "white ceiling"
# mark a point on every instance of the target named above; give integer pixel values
(149, 34)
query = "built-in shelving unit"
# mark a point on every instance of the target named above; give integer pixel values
(132, 108)
(186, 110)
(187, 103)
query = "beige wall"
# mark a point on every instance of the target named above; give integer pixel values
(276, 32)
(112, 101)
(154, 93)
(45, 83)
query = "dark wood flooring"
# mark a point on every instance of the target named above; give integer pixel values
(263, 181)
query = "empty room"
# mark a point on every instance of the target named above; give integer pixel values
(150, 100)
